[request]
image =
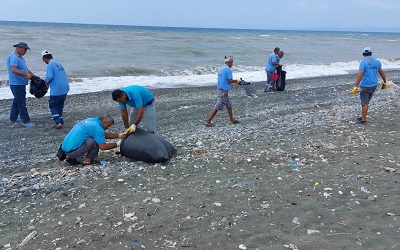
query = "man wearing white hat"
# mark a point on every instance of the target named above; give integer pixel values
(57, 80)
(19, 75)
(367, 79)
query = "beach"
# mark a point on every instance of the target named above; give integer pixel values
(297, 172)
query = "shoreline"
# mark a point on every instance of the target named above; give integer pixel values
(181, 86)
(294, 154)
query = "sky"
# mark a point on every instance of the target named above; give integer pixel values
(355, 15)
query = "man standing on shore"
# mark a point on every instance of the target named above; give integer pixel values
(19, 75)
(273, 62)
(57, 80)
(142, 102)
(87, 137)
(367, 79)
(224, 85)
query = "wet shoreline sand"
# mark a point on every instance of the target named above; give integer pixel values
(297, 170)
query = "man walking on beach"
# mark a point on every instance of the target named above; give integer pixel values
(273, 62)
(19, 75)
(367, 79)
(224, 85)
(57, 80)
(87, 137)
(142, 102)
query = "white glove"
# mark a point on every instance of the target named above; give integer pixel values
(118, 143)
(131, 129)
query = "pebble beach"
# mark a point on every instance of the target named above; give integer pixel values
(297, 172)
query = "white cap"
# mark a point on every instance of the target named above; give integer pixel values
(228, 59)
(45, 52)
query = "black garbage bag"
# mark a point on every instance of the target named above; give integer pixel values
(38, 87)
(281, 83)
(144, 146)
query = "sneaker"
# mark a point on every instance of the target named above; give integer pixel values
(28, 125)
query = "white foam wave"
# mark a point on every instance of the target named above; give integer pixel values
(248, 73)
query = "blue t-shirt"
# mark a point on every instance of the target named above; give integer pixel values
(224, 74)
(138, 96)
(370, 66)
(83, 130)
(18, 61)
(273, 58)
(56, 78)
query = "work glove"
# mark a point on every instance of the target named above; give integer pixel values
(354, 90)
(239, 81)
(131, 129)
(122, 135)
(384, 86)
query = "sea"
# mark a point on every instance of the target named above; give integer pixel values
(100, 57)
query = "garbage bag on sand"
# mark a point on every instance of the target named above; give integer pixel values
(144, 146)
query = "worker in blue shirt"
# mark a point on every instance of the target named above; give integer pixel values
(57, 80)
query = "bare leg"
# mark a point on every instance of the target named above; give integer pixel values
(213, 113)
(231, 118)
(364, 111)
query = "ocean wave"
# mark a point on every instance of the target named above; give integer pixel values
(201, 76)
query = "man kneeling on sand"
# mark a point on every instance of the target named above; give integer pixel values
(87, 137)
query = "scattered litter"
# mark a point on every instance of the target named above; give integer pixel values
(326, 194)
(310, 231)
(28, 238)
(243, 247)
(296, 221)
(365, 190)
(390, 170)
(291, 246)
(294, 165)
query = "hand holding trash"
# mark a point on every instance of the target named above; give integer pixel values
(384, 86)
(354, 90)
(239, 81)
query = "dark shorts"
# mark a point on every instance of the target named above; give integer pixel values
(366, 94)
(223, 100)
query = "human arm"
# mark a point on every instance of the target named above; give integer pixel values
(237, 81)
(107, 146)
(382, 74)
(139, 116)
(124, 116)
(359, 77)
(18, 72)
(111, 135)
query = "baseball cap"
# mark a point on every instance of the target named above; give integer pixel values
(228, 58)
(367, 50)
(45, 52)
(22, 45)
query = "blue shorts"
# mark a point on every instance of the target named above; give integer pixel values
(366, 94)
(223, 100)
